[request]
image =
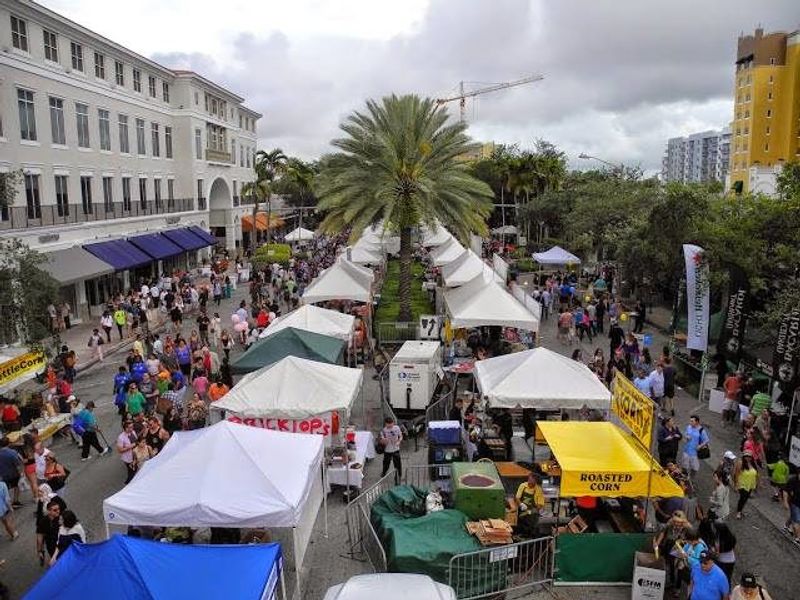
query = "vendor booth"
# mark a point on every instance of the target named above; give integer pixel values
(556, 256)
(229, 475)
(378, 235)
(447, 252)
(364, 255)
(128, 568)
(316, 320)
(435, 236)
(341, 281)
(480, 303)
(290, 342)
(465, 268)
(610, 476)
(299, 235)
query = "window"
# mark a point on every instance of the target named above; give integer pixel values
(168, 141)
(76, 50)
(171, 193)
(233, 151)
(157, 192)
(766, 147)
(140, 148)
(27, 116)
(165, 91)
(82, 117)
(124, 145)
(105, 129)
(235, 188)
(62, 197)
(771, 79)
(769, 113)
(196, 98)
(767, 129)
(99, 66)
(126, 194)
(108, 194)
(57, 121)
(769, 95)
(247, 159)
(19, 34)
(119, 72)
(772, 60)
(50, 45)
(32, 197)
(241, 155)
(151, 85)
(240, 121)
(143, 192)
(154, 139)
(198, 143)
(137, 80)
(199, 188)
(86, 194)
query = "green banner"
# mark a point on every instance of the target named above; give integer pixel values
(599, 557)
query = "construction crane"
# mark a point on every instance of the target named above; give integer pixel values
(462, 95)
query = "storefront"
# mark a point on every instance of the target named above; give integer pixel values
(84, 279)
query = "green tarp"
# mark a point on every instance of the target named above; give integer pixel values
(599, 557)
(290, 342)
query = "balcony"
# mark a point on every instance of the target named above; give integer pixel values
(218, 156)
(18, 217)
(202, 204)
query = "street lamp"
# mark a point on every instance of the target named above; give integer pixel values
(585, 156)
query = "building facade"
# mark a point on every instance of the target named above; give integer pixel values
(697, 158)
(766, 119)
(111, 146)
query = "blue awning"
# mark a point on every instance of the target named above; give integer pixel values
(120, 254)
(209, 239)
(156, 245)
(184, 238)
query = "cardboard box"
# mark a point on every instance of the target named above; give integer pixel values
(649, 577)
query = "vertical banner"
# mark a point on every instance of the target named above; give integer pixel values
(786, 355)
(698, 291)
(731, 337)
(633, 408)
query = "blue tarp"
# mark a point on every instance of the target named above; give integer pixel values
(203, 235)
(120, 254)
(156, 245)
(126, 568)
(185, 238)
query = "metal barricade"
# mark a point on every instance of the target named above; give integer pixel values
(361, 536)
(422, 476)
(439, 410)
(502, 569)
(396, 332)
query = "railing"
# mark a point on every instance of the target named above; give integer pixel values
(202, 203)
(439, 410)
(218, 155)
(395, 332)
(19, 217)
(502, 569)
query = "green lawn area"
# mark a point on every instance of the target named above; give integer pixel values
(389, 306)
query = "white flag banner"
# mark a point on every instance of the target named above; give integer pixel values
(698, 291)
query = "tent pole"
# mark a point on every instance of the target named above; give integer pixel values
(325, 496)
(108, 532)
(283, 585)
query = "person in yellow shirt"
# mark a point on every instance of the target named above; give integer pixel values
(530, 498)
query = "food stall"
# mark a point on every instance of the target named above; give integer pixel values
(610, 475)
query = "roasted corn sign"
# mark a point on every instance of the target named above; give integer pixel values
(19, 366)
(633, 408)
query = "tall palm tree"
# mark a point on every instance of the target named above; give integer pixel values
(268, 167)
(399, 163)
(299, 178)
(257, 191)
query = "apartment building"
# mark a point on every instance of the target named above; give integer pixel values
(766, 119)
(127, 166)
(697, 158)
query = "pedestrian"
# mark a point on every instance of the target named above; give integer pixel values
(779, 476)
(155, 435)
(225, 375)
(708, 581)
(215, 330)
(121, 381)
(530, 501)
(6, 510)
(616, 336)
(390, 438)
(96, 344)
(48, 525)
(89, 437)
(203, 325)
(730, 406)
(791, 501)
(640, 310)
(674, 530)
(565, 320)
(226, 341)
(141, 453)
(70, 531)
(217, 389)
(196, 412)
(719, 502)
(746, 481)
(11, 468)
(120, 320)
(52, 315)
(183, 353)
(695, 445)
(749, 589)
(134, 401)
(725, 548)
(669, 437)
(689, 557)
(126, 441)
(668, 371)
(657, 384)
(217, 292)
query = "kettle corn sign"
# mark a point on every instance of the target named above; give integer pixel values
(25, 364)
(633, 408)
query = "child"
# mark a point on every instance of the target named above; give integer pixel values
(779, 476)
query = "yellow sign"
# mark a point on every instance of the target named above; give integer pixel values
(24, 364)
(634, 409)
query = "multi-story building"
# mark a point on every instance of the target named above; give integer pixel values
(766, 119)
(119, 155)
(699, 157)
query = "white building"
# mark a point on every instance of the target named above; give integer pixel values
(113, 146)
(700, 157)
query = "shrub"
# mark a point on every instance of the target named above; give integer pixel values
(273, 253)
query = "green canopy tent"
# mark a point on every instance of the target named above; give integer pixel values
(290, 342)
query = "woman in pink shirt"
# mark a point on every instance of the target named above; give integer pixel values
(200, 384)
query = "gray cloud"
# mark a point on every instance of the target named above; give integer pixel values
(620, 77)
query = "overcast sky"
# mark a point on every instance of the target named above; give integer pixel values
(621, 76)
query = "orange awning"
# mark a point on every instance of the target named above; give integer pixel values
(261, 222)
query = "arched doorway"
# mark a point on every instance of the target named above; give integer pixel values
(220, 204)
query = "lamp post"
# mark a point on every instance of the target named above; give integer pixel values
(616, 166)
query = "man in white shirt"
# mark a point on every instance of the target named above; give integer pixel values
(657, 383)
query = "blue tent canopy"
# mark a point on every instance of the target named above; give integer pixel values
(157, 246)
(126, 568)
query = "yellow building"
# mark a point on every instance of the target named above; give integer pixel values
(765, 132)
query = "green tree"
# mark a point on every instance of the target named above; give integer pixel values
(269, 166)
(8, 187)
(788, 184)
(399, 163)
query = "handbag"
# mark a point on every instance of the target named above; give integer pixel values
(703, 452)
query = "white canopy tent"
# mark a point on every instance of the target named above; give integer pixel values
(556, 256)
(435, 236)
(377, 235)
(447, 252)
(343, 280)
(481, 303)
(293, 388)
(542, 379)
(315, 319)
(228, 475)
(299, 235)
(364, 255)
(505, 230)
(465, 268)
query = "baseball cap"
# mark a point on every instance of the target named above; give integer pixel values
(706, 555)
(729, 455)
(71, 398)
(748, 580)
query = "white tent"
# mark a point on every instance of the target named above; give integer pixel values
(293, 388)
(447, 252)
(378, 235)
(556, 256)
(364, 255)
(435, 236)
(505, 230)
(481, 303)
(466, 268)
(341, 281)
(299, 235)
(542, 379)
(227, 475)
(315, 319)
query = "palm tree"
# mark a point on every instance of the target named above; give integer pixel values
(268, 167)
(298, 182)
(257, 191)
(399, 163)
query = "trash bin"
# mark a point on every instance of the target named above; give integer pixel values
(649, 577)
